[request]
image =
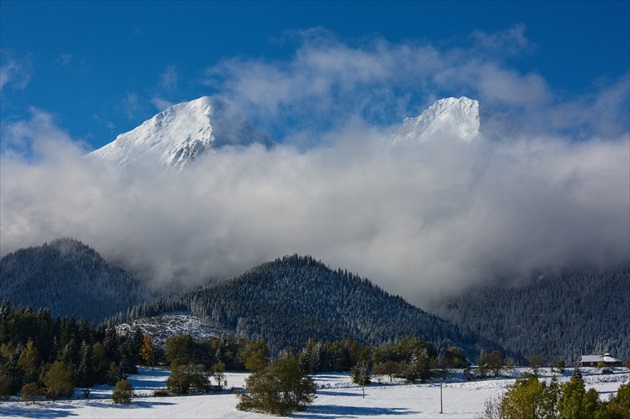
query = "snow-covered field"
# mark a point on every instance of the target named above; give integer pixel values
(337, 397)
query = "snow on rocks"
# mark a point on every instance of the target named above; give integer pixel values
(164, 326)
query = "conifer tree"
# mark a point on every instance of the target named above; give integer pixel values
(575, 402)
(84, 372)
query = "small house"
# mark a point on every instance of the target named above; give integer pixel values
(600, 361)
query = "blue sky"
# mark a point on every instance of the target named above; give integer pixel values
(101, 68)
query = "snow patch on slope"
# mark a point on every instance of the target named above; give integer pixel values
(166, 326)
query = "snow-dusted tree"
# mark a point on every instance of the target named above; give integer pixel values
(361, 374)
(85, 371)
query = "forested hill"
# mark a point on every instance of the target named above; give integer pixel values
(295, 298)
(69, 278)
(557, 316)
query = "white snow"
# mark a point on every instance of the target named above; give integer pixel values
(337, 397)
(165, 326)
(447, 118)
(181, 133)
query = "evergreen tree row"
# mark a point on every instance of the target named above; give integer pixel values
(294, 299)
(54, 355)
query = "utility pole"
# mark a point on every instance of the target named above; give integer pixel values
(441, 405)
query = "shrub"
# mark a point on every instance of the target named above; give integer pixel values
(187, 377)
(492, 361)
(453, 357)
(123, 392)
(58, 381)
(388, 368)
(535, 362)
(5, 388)
(31, 391)
(280, 389)
(561, 365)
(161, 392)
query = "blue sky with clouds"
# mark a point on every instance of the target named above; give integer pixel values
(101, 68)
(327, 79)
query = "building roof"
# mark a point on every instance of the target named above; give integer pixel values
(606, 358)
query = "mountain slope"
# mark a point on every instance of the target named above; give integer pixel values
(564, 315)
(456, 118)
(295, 298)
(69, 278)
(180, 134)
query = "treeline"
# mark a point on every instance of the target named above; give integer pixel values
(194, 362)
(50, 356)
(296, 298)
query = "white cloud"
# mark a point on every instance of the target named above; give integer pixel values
(161, 103)
(510, 42)
(130, 105)
(64, 59)
(169, 78)
(327, 82)
(419, 220)
(14, 71)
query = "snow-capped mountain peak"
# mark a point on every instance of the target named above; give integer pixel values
(456, 118)
(181, 133)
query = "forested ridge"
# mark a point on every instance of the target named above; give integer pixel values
(296, 298)
(68, 278)
(558, 316)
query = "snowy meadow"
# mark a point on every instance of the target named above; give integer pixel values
(337, 397)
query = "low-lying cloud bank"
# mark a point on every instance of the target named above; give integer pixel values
(419, 220)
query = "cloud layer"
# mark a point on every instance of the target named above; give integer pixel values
(419, 220)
